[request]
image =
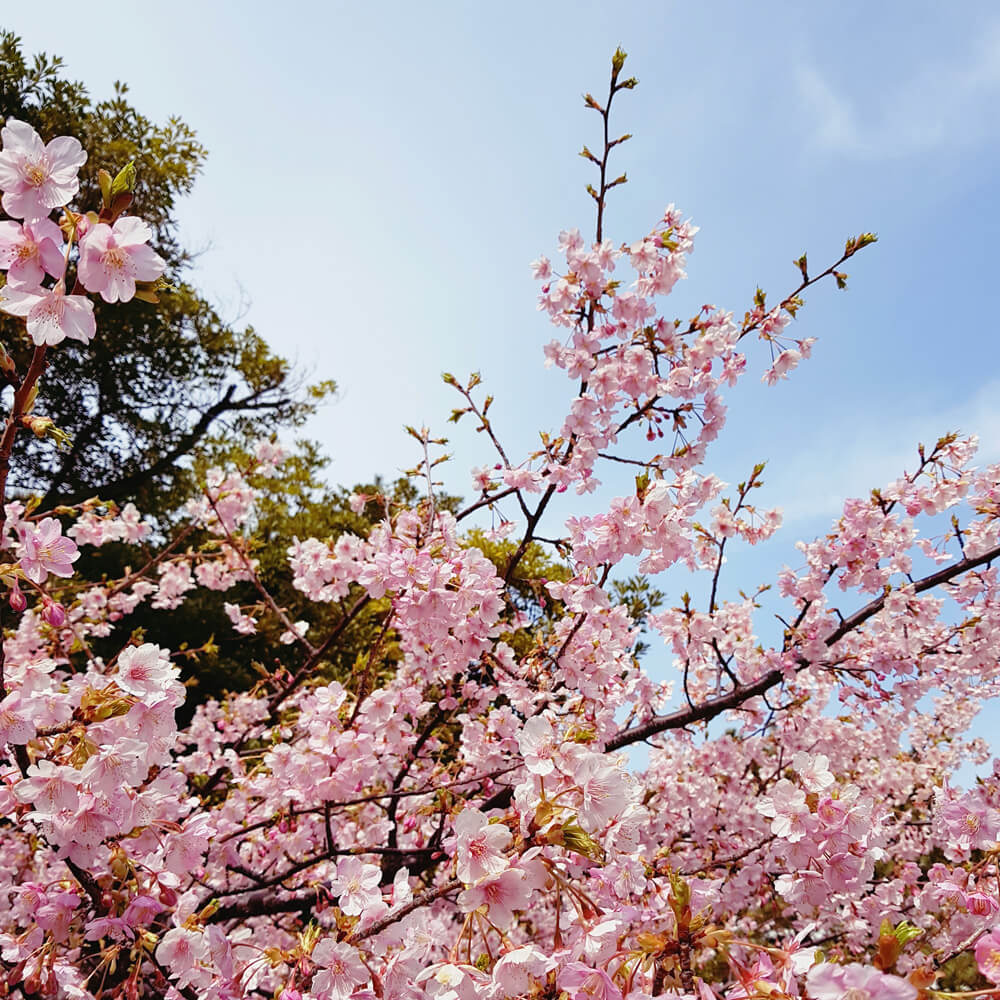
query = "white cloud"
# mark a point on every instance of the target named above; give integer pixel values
(815, 483)
(951, 103)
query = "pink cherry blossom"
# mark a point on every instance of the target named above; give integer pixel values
(539, 743)
(827, 981)
(50, 787)
(454, 818)
(51, 314)
(357, 885)
(144, 670)
(28, 252)
(341, 970)
(605, 790)
(480, 846)
(584, 983)
(787, 805)
(44, 550)
(243, 623)
(113, 258)
(521, 970)
(16, 723)
(502, 895)
(181, 950)
(269, 455)
(988, 955)
(37, 177)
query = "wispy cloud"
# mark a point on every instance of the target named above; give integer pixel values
(943, 103)
(814, 484)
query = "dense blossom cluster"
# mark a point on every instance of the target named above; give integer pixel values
(470, 825)
(37, 178)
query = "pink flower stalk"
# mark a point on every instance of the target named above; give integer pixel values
(44, 550)
(112, 259)
(37, 177)
(31, 251)
(51, 314)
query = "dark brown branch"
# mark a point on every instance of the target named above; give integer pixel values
(740, 695)
(118, 489)
(265, 904)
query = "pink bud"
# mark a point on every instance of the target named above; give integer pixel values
(18, 601)
(54, 613)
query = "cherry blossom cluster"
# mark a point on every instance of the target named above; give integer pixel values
(112, 253)
(462, 815)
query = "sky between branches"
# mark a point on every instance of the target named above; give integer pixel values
(380, 176)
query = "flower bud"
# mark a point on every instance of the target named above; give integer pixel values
(18, 602)
(53, 613)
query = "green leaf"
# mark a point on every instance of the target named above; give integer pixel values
(124, 180)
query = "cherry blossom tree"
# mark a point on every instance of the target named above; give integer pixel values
(467, 825)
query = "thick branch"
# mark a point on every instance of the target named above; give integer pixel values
(265, 903)
(128, 485)
(741, 694)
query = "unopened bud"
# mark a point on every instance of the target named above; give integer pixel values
(18, 602)
(7, 365)
(105, 181)
(43, 427)
(54, 613)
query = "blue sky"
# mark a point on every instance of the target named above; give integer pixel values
(380, 175)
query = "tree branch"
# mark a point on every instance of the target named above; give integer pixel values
(739, 695)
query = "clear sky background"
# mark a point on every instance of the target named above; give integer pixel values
(380, 175)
